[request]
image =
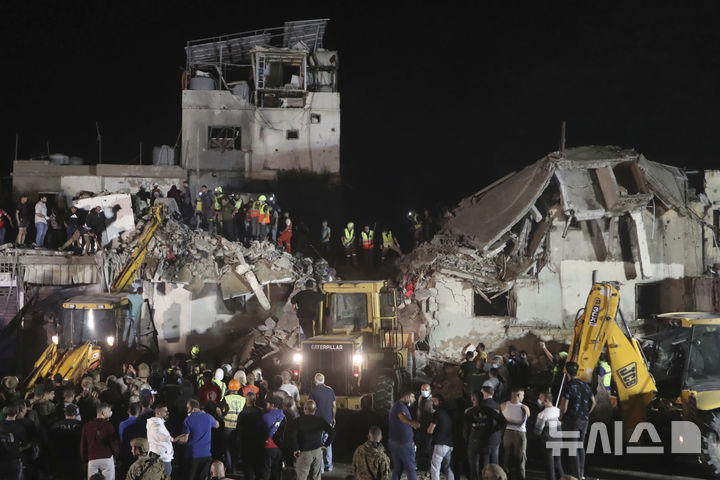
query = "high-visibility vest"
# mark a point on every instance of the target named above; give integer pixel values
(198, 205)
(387, 240)
(255, 209)
(235, 403)
(349, 237)
(417, 223)
(367, 239)
(218, 206)
(238, 204)
(264, 214)
(607, 376)
(223, 387)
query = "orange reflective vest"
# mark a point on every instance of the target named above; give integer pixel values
(255, 209)
(367, 239)
(264, 214)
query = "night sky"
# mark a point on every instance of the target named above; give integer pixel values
(436, 102)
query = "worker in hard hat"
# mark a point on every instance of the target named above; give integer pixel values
(367, 237)
(208, 214)
(239, 218)
(232, 405)
(389, 242)
(263, 218)
(416, 226)
(348, 241)
(198, 217)
(255, 217)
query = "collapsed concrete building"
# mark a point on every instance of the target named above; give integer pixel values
(517, 257)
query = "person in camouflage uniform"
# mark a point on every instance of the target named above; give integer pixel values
(370, 462)
(147, 466)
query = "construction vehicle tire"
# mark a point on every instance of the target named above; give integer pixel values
(383, 394)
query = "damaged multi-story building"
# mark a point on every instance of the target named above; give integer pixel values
(517, 257)
(256, 103)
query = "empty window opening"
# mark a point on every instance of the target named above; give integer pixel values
(292, 134)
(647, 297)
(498, 305)
(626, 176)
(716, 225)
(224, 138)
(314, 118)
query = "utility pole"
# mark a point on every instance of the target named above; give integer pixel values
(140, 153)
(17, 140)
(562, 138)
(47, 145)
(99, 139)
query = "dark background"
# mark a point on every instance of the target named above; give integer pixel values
(436, 102)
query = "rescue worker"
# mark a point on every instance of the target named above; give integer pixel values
(218, 380)
(604, 373)
(325, 233)
(217, 205)
(263, 219)
(234, 404)
(227, 221)
(367, 236)
(199, 211)
(255, 217)
(348, 241)
(208, 199)
(286, 233)
(239, 219)
(146, 467)
(416, 227)
(389, 242)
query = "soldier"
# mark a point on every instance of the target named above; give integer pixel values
(370, 462)
(147, 466)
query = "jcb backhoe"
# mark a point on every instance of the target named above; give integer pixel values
(676, 373)
(91, 326)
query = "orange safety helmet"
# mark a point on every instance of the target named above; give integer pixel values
(234, 385)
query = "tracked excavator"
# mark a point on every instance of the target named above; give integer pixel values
(672, 374)
(90, 329)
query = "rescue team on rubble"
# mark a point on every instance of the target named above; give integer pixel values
(187, 421)
(213, 211)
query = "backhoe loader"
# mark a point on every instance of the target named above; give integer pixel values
(91, 326)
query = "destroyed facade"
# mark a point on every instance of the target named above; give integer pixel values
(517, 257)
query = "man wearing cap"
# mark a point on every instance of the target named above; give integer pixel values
(65, 441)
(147, 466)
(348, 242)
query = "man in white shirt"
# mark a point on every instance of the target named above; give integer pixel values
(288, 387)
(41, 218)
(546, 424)
(159, 437)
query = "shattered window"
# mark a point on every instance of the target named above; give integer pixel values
(224, 138)
(349, 310)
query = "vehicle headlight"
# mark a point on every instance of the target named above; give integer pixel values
(91, 320)
(297, 358)
(110, 341)
(357, 359)
(55, 339)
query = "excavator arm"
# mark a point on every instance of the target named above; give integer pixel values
(596, 328)
(133, 263)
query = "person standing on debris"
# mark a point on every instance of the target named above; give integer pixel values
(325, 233)
(198, 217)
(367, 236)
(324, 398)
(306, 304)
(416, 226)
(41, 219)
(208, 214)
(348, 242)
(255, 218)
(400, 441)
(286, 233)
(22, 216)
(156, 193)
(4, 215)
(94, 226)
(263, 219)
(132, 319)
(389, 242)
(226, 219)
(274, 222)
(576, 403)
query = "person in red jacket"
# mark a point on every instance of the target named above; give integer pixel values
(285, 232)
(99, 444)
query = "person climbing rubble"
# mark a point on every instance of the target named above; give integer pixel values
(208, 214)
(348, 241)
(416, 227)
(286, 233)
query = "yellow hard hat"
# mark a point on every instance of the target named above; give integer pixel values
(194, 350)
(262, 198)
(350, 225)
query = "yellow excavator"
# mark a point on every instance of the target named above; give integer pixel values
(91, 327)
(674, 372)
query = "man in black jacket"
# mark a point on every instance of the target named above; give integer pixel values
(306, 442)
(483, 428)
(92, 231)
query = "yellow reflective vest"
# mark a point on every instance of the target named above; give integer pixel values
(607, 376)
(387, 240)
(235, 403)
(349, 237)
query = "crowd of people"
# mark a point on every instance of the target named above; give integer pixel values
(184, 420)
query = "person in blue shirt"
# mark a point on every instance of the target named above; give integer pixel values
(269, 424)
(132, 320)
(324, 398)
(127, 430)
(400, 441)
(197, 433)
